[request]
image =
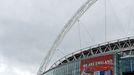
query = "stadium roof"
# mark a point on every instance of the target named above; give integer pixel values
(109, 47)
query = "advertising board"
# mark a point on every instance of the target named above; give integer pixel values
(102, 65)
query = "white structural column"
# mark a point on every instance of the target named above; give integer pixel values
(64, 31)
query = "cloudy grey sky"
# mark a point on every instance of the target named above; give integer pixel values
(29, 27)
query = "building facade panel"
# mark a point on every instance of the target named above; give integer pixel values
(72, 68)
(127, 64)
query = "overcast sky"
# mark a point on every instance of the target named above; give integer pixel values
(29, 27)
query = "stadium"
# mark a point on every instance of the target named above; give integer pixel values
(110, 58)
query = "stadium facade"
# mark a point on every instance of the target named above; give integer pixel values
(110, 58)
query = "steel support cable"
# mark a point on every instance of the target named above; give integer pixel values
(105, 1)
(60, 52)
(85, 28)
(79, 33)
(123, 29)
(61, 36)
(130, 18)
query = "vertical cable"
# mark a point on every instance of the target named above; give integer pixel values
(79, 33)
(105, 9)
(85, 28)
(60, 52)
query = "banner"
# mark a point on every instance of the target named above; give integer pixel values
(102, 65)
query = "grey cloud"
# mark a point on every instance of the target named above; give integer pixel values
(29, 27)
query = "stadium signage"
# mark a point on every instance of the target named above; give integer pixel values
(99, 63)
(102, 65)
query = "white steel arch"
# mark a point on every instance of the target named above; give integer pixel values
(64, 31)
